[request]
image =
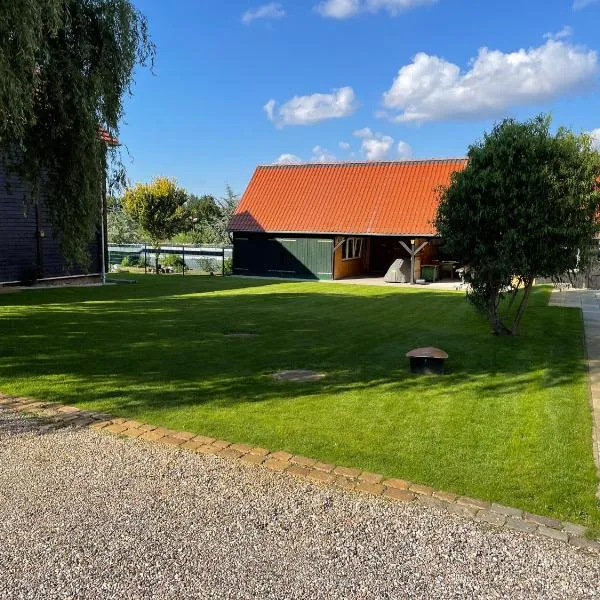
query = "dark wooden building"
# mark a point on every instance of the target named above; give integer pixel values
(330, 221)
(28, 246)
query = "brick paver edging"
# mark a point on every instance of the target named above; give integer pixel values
(57, 416)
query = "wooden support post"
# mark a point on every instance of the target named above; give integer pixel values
(412, 251)
(412, 262)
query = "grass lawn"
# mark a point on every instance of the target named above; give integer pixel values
(510, 424)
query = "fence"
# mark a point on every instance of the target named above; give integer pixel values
(182, 259)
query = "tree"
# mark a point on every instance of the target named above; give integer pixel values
(65, 67)
(159, 208)
(121, 227)
(524, 207)
(227, 204)
(203, 214)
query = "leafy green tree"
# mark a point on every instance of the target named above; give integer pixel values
(203, 213)
(159, 208)
(525, 206)
(65, 67)
(122, 228)
(227, 204)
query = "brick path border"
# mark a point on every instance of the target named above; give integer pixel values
(56, 416)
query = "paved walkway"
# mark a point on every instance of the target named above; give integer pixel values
(589, 303)
(379, 281)
(88, 515)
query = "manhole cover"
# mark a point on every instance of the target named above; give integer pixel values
(298, 375)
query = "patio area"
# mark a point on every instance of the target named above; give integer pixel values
(446, 284)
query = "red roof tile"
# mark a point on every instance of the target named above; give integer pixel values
(393, 198)
(106, 137)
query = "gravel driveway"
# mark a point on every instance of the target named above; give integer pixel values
(87, 515)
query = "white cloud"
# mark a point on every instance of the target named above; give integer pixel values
(339, 9)
(565, 32)
(269, 108)
(319, 155)
(595, 134)
(579, 4)
(404, 151)
(305, 110)
(344, 9)
(363, 133)
(270, 11)
(288, 159)
(322, 155)
(432, 88)
(376, 146)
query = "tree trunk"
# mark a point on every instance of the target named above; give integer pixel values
(522, 306)
(498, 327)
(156, 265)
(513, 296)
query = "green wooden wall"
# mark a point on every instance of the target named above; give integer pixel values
(294, 256)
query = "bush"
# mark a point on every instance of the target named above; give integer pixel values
(174, 261)
(228, 266)
(209, 265)
(131, 260)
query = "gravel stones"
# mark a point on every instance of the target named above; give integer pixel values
(88, 515)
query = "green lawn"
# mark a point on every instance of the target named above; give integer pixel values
(511, 423)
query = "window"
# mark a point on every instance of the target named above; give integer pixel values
(352, 248)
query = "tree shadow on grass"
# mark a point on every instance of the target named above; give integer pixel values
(154, 346)
(508, 423)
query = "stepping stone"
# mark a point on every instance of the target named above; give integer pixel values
(298, 375)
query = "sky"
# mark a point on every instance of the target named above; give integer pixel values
(238, 83)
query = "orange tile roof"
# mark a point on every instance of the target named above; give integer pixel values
(106, 137)
(379, 198)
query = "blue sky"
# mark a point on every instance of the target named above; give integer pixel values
(244, 82)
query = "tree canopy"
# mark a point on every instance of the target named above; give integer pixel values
(122, 228)
(203, 214)
(65, 67)
(158, 207)
(525, 206)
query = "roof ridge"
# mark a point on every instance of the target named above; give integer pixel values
(342, 163)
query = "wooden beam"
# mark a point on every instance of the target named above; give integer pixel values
(421, 247)
(410, 250)
(406, 247)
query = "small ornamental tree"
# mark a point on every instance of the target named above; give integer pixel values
(159, 208)
(524, 207)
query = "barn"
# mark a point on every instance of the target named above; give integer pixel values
(333, 221)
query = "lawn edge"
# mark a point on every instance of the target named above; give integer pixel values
(57, 416)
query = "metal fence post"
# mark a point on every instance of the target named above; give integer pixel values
(183, 257)
(223, 261)
(145, 260)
